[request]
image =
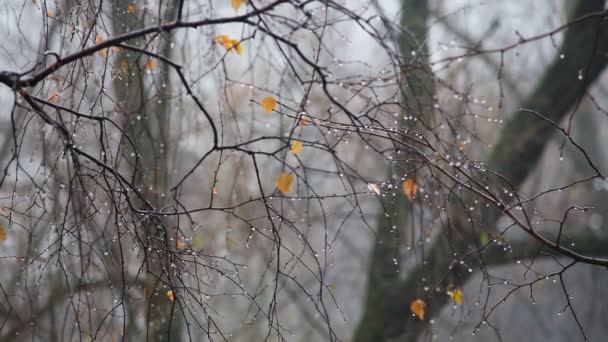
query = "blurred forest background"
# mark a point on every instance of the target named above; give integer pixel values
(224, 170)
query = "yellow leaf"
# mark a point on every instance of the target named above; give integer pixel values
(418, 307)
(229, 243)
(332, 286)
(131, 9)
(284, 182)
(457, 296)
(171, 295)
(410, 188)
(102, 52)
(50, 14)
(268, 103)
(236, 4)
(296, 147)
(124, 65)
(238, 47)
(198, 242)
(150, 64)
(484, 238)
(3, 234)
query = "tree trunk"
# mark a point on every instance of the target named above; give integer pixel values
(146, 116)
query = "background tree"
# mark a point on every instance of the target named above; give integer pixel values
(513, 157)
(220, 170)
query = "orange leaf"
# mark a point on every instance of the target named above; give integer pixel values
(150, 64)
(102, 52)
(418, 307)
(303, 122)
(296, 147)
(230, 44)
(3, 234)
(131, 9)
(284, 182)
(410, 188)
(124, 65)
(180, 243)
(223, 39)
(268, 103)
(53, 97)
(236, 4)
(145, 293)
(171, 295)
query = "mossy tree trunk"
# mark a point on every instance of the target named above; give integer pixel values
(417, 91)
